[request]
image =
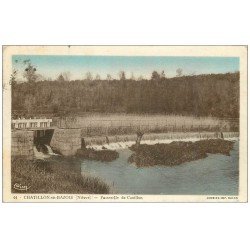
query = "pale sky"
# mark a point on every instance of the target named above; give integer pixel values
(51, 66)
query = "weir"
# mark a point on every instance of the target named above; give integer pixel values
(125, 141)
(35, 140)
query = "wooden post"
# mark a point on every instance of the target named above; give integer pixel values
(107, 140)
(83, 144)
(221, 135)
(138, 140)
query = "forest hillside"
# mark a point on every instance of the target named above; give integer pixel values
(199, 95)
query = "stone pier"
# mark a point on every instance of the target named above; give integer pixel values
(66, 141)
(22, 143)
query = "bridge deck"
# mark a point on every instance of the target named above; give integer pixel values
(34, 129)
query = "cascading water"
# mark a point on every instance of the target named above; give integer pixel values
(39, 155)
(50, 151)
(42, 155)
(151, 139)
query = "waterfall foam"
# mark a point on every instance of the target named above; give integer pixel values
(152, 139)
(50, 151)
(39, 155)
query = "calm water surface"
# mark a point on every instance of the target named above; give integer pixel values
(214, 175)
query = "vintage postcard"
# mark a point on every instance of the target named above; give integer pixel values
(125, 123)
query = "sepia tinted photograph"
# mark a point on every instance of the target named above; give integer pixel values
(125, 123)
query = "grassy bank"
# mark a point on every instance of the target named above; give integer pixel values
(54, 176)
(176, 153)
(122, 124)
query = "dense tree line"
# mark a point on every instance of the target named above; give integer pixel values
(200, 95)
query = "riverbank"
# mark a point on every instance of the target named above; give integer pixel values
(179, 152)
(55, 175)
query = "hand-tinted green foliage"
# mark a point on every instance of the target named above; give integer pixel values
(202, 95)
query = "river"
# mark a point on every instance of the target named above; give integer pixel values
(215, 175)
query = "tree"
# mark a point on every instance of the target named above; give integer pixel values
(138, 139)
(179, 72)
(97, 77)
(60, 78)
(66, 75)
(12, 81)
(13, 76)
(40, 78)
(122, 75)
(163, 76)
(155, 75)
(89, 76)
(30, 72)
(132, 77)
(140, 78)
(109, 77)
